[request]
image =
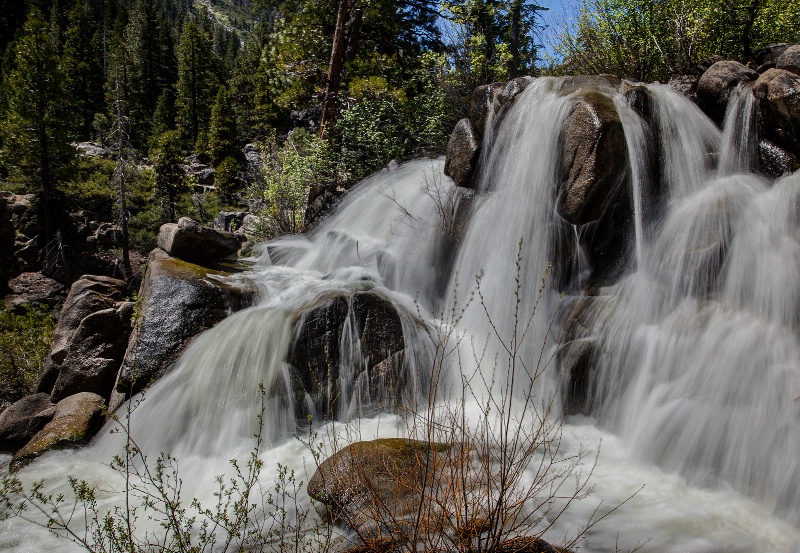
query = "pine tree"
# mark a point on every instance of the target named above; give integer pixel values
(82, 65)
(37, 125)
(170, 181)
(222, 129)
(197, 81)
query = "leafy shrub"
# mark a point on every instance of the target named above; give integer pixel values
(24, 344)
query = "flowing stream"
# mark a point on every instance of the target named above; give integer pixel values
(693, 411)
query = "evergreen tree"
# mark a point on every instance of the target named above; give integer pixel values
(37, 125)
(197, 82)
(82, 65)
(170, 180)
(222, 129)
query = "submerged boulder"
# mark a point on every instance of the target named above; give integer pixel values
(575, 361)
(361, 334)
(75, 420)
(188, 239)
(89, 294)
(23, 419)
(593, 159)
(178, 300)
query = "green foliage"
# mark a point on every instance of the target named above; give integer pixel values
(24, 344)
(227, 180)
(653, 39)
(290, 170)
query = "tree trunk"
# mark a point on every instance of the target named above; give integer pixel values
(122, 144)
(516, 14)
(329, 104)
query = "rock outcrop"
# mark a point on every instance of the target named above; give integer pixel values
(778, 92)
(462, 153)
(87, 295)
(178, 300)
(23, 419)
(187, 239)
(717, 84)
(75, 419)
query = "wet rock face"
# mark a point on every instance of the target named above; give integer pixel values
(353, 342)
(74, 420)
(89, 294)
(188, 239)
(715, 86)
(178, 300)
(593, 159)
(462, 154)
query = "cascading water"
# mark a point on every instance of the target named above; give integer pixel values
(696, 385)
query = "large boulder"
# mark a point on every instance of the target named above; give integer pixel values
(718, 82)
(462, 153)
(493, 101)
(359, 480)
(34, 290)
(789, 60)
(370, 328)
(23, 419)
(87, 295)
(593, 159)
(75, 420)
(778, 92)
(177, 301)
(774, 161)
(187, 239)
(95, 355)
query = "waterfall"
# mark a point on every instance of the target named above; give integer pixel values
(694, 394)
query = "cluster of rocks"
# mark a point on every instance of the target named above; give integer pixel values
(106, 348)
(592, 193)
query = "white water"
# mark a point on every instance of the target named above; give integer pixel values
(695, 397)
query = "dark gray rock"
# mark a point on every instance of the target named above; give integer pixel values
(789, 60)
(770, 53)
(94, 356)
(462, 153)
(778, 92)
(178, 300)
(481, 105)
(22, 420)
(75, 420)
(593, 159)
(189, 240)
(715, 86)
(686, 85)
(87, 295)
(34, 290)
(774, 161)
(317, 353)
(229, 221)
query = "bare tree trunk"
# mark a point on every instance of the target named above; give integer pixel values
(514, 63)
(329, 104)
(122, 144)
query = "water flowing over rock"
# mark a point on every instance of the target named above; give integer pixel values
(178, 300)
(593, 159)
(350, 343)
(717, 83)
